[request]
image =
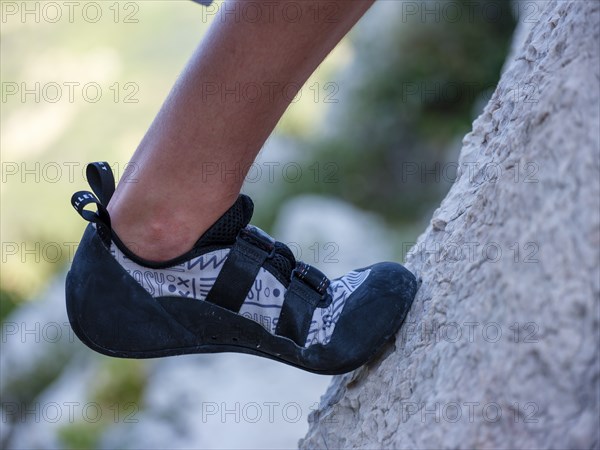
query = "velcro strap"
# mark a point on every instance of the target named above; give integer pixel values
(313, 277)
(237, 275)
(101, 180)
(299, 305)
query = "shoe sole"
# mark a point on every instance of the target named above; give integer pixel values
(231, 334)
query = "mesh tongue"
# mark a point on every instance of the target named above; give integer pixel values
(283, 261)
(225, 230)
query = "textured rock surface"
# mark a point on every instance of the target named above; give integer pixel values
(500, 347)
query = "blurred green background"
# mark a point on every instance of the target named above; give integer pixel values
(393, 99)
(403, 96)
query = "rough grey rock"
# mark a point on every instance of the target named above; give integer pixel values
(500, 346)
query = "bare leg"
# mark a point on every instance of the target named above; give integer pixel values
(171, 204)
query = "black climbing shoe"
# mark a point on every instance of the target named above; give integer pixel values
(237, 290)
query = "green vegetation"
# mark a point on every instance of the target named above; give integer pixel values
(414, 99)
(117, 394)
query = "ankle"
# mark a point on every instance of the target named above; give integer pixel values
(149, 231)
(154, 239)
(161, 231)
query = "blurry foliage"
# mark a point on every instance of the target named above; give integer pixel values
(117, 390)
(411, 100)
(24, 391)
(119, 381)
(149, 53)
(81, 435)
(8, 302)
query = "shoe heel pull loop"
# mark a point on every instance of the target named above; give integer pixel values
(101, 180)
(101, 218)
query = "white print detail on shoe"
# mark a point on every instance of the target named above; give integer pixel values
(195, 278)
